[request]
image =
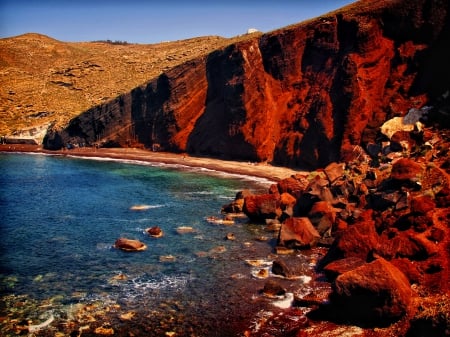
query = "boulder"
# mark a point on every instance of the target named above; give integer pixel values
(358, 240)
(323, 216)
(237, 205)
(334, 171)
(375, 293)
(273, 289)
(406, 169)
(422, 204)
(292, 185)
(298, 233)
(155, 231)
(262, 206)
(129, 245)
(290, 268)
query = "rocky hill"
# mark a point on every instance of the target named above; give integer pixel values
(304, 95)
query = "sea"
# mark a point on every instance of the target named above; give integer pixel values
(60, 274)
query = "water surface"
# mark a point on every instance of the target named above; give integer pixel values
(60, 217)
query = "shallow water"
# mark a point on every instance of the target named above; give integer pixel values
(60, 218)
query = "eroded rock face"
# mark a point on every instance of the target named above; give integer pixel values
(305, 95)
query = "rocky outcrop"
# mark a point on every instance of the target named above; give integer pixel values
(383, 218)
(305, 95)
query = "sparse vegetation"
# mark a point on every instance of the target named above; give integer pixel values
(38, 73)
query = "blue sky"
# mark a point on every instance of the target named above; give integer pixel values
(139, 21)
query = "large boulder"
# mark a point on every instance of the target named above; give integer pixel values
(262, 206)
(298, 233)
(375, 293)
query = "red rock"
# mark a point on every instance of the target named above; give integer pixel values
(298, 233)
(358, 240)
(341, 266)
(287, 200)
(155, 231)
(422, 204)
(129, 245)
(293, 186)
(305, 95)
(406, 169)
(334, 171)
(374, 293)
(262, 206)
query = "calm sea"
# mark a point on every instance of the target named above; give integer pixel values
(60, 217)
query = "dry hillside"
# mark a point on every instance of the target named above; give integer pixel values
(44, 80)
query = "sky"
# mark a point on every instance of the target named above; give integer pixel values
(140, 21)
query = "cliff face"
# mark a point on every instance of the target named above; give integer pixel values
(304, 95)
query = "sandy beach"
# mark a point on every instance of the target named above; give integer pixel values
(261, 170)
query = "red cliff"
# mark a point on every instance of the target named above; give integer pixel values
(304, 95)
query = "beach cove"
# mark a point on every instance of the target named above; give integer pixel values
(65, 275)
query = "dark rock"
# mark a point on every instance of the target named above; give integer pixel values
(298, 233)
(376, 293)
(323, 215)
(155, 231)
(289, 268)
(273, 289)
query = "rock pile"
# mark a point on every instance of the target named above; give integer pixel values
(384, 217)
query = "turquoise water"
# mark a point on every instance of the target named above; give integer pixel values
(60, 217)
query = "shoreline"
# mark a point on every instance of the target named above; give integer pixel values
(260, 170)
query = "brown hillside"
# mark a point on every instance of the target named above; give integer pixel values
(43, 80)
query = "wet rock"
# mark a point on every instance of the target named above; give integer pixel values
(155, 231)
(262, 206)
(273, 289)
(298, 233)
(237, 205)
(129, 245)
(290, 269)
(376, 293)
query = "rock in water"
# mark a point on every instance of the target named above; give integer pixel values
(129, 245)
